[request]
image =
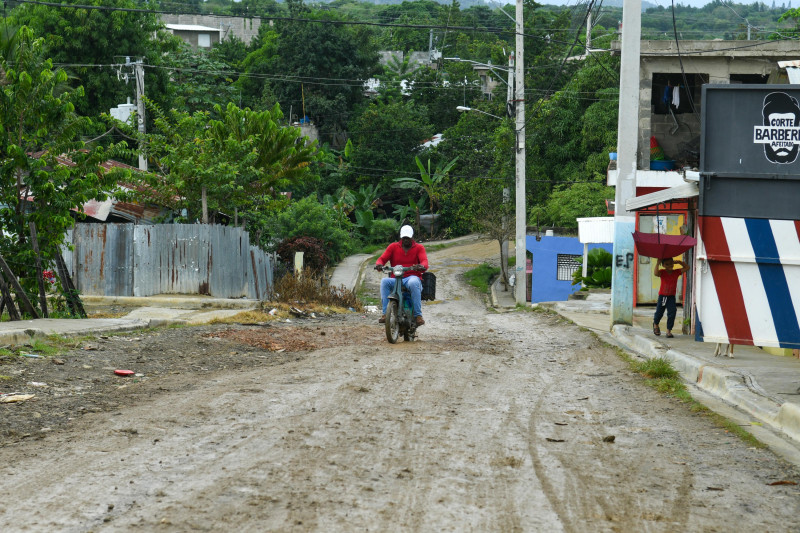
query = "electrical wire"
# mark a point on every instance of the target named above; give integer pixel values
(497, 31)
(560, 69)
(680, 60)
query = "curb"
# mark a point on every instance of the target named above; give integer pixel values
(23, 336)
(171, 301)
(726, 385)
(493, 301)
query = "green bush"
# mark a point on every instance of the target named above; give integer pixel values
(383, 230)
(481, 276)
(309, 218)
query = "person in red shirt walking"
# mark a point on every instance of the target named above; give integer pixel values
(666, 294)
(408, 253)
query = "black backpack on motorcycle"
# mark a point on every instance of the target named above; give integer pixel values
(428, 286)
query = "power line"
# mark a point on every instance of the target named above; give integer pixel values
(498, 31)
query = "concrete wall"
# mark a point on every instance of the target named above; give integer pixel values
(719, 60)
(545, 286)
(243, 28)
(192, 37)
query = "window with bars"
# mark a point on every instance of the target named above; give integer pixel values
(566, 265)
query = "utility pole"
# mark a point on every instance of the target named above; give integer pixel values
(138, 67)
(627, 147)
(520, 284)
(588, 33)
(506, 190)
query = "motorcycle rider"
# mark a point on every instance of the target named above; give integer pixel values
(408, 253)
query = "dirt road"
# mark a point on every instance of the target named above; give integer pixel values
(489, 422)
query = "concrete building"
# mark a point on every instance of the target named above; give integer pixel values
(662, 65)
(225, 27)
(488, 79)
(671, 90)
(198, 37)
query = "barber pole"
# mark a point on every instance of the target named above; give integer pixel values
(748, 281)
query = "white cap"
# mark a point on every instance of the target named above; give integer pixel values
(406, 231)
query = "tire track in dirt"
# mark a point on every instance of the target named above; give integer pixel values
(585, 478)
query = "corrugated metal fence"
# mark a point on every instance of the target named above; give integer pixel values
(135, 260)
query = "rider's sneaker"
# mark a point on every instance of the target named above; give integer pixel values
(419, 320)
(382, 320)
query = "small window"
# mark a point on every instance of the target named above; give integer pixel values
(204, 40)
(566, 266)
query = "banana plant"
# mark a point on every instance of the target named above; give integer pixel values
(430, 183)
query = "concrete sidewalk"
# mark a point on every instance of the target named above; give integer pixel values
(763, 385)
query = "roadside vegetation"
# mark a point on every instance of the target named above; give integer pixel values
(221, 136)
(659, 374)
(481, 276)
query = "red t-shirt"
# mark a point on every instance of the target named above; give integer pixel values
(395, 255)
(669, 282)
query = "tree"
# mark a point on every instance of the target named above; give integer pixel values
(258, 65)
(208, 166)
(482, 207)
(385, 137)
(572, 128)
(430, 183)
(441, 92)
(88, 38)
(45, 171)
(308, 218)
(572, 201)
(325, 85)
(199, 80)
(472, 140)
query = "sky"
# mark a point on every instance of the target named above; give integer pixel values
(665, 3)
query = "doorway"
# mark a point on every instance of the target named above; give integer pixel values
(647, 283)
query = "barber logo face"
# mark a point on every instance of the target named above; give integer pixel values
(781, 112)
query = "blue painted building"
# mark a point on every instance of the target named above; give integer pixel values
(554, 261)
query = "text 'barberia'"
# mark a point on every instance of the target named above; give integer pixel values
(768, 134)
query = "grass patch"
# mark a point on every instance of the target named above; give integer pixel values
(367, 298)
(480, 276)
(372, 248)
(40, 347)
(660, 375)
(437, 247)
(5, 378)
(658, 368)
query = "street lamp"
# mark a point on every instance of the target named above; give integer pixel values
(489, 66)
(465, 108)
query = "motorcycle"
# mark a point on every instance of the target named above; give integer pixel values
(399, 319)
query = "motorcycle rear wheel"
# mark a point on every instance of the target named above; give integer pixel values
(392, 322)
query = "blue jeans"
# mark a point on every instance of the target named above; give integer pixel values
(414, 286)
(665, 303)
